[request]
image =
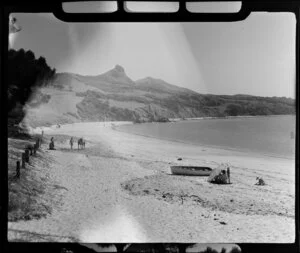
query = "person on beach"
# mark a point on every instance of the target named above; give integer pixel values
(71, 142)
(42, 136)
(51, 145)
(260, 181)
(228, 174)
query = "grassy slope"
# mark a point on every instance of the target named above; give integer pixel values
(27, 194)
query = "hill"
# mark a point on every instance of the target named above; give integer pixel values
(114, 96)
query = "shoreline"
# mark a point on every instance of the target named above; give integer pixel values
(230, 117)
(200, 145)
(171, 120)
(114, 125)
(129, 176)
(290, 156)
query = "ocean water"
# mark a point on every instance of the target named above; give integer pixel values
(265, 135)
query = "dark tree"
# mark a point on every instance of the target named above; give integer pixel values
(210, 250)
(235, 250)
(24, 73)
(223, 250)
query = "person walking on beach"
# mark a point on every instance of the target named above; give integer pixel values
(71, 142)
(41, 139)
(228, 174)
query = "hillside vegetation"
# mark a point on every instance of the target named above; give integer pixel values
(24, 75)
(114, 96)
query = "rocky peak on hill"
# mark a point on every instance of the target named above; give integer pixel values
(119, 69)
(117, 72)
(116, 75)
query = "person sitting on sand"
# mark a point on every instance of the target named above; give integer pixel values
(51, 145)
(260, 181)
(71, 142)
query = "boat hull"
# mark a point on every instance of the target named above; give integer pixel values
(191, 170)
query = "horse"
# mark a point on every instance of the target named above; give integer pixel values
(81, 143)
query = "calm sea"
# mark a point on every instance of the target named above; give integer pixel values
(265, 135)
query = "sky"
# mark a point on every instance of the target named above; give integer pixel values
(255, 56)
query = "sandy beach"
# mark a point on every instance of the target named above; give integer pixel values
(120, 189)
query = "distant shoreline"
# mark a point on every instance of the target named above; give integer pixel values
(117, 122)
(229, 117)
(200, 144)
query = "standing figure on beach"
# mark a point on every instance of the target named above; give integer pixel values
(51, 145)
(71, 142)
(228, 174)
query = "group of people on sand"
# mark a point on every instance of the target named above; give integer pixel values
(80, 143)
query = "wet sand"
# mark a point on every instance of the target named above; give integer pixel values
(120, 189)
